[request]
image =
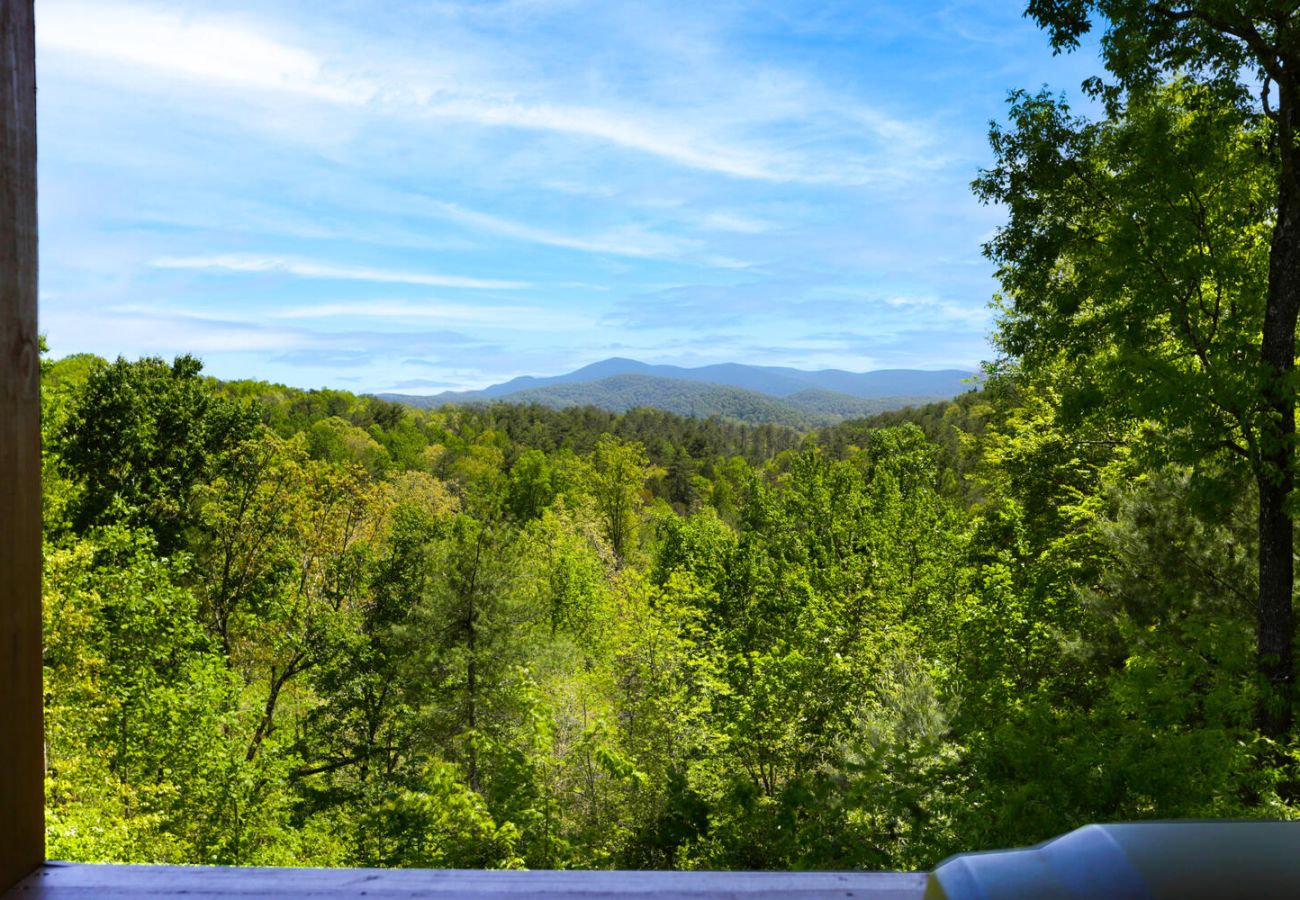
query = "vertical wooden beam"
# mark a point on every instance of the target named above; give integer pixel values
(22, 767)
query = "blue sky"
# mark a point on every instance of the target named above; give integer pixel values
(421, 196)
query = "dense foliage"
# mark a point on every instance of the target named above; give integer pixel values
(322, 629)
(1170, 229)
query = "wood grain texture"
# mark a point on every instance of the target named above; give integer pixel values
(66, 881)
(22, 845)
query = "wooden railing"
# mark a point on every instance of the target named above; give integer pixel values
(61, 881)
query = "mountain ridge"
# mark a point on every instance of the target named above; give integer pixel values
(754, 394)
(776, 381)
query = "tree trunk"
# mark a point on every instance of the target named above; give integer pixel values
(471, 668)
(267, 723)
(471, 690)
(1276, 622)
(1275, 476)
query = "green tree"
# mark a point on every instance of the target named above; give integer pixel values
(619, 472)
(1220, 44)
(335, 440)
(532, 485)
(465, 642)
(440, 823)
(144, 724)
(285, 554)
(666, 669)
(683, 490)
(139, 436)
(362, 760)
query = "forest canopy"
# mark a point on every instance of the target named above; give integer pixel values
(330, 630)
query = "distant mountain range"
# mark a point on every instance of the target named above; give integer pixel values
(745, 393)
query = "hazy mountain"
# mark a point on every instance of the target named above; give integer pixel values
(619, 393)
(775, 381)
(745, 393)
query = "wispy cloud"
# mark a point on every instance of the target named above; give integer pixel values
(692, 150)
(633, 240)
(239, 52)
(302, 268)
(531, 317)
(934, 307)
(318, 358)
(137, 329)
(198, 47)
(420, 384)
(734, 222)
(140, 330)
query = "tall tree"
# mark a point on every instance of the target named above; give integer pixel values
(464, 643)
(1221, 45)
(618, 476)
(140, 436)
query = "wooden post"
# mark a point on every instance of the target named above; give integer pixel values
(22, 766)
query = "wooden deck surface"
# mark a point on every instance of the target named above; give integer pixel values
(66, 881)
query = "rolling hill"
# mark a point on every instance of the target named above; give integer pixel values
(752, 394)
(775, 381)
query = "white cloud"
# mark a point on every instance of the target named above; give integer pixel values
(199, 48)
(691, 150)
(932, 306)
(137, 330)
(734, 222)
(629, 241)
(717, 137)
(311, 269)
(530, 317)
